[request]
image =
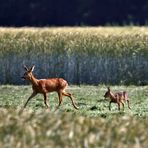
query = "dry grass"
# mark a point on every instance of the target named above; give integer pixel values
(113, 41)
(88, 55)
(44, 129)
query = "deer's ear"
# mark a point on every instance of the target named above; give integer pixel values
(25, 67)
(32, 68)
(108, 88)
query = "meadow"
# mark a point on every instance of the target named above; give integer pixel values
(100, 56)
(93, 125)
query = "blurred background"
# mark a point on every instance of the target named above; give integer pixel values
(82, 52)
(92, 44)
(73, 12)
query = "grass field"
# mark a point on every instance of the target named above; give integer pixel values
(93, 125)
(88, 55)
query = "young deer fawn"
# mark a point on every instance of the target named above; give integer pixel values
(119, 98)
(44, 86)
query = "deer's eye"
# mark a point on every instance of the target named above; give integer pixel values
(25, 74)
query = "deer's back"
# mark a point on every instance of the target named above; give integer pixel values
(50, 85)
(121, 95)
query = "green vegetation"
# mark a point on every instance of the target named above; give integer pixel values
(80, 55)
(112, 41)
(93, 125)
(89, 98)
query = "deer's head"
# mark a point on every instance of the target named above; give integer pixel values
(107, 94)
(28, 72)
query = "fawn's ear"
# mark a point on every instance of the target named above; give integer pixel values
(25, 67)
(32, 68)
(108, 88)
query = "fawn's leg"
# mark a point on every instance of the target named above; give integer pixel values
(118, 105)
(122, 104)
(128, 104)
(110, 105)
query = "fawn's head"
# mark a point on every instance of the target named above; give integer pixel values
(107, 94)
(28, 73)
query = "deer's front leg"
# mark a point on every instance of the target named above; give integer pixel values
(110, 105)
(45, 100)
(32, 95)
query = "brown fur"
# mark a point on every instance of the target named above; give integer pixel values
(44, 86)
(119, 98)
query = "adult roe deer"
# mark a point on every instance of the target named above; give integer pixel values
(119, 98)
(44, 86)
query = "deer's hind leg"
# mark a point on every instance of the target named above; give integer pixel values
(45, 100)
(60, 99)
(71, 97)
(128, 104)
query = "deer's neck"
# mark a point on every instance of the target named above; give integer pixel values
(33, 80)
(112, 96)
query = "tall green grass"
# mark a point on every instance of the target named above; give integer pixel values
(81, 55)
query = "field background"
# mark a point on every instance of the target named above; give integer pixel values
(100, 56)
(93, 125)
(89, 55)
